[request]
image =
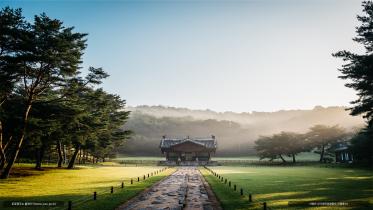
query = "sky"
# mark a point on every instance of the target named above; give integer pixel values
(241, 56)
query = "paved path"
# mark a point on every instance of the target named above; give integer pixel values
(184, 189)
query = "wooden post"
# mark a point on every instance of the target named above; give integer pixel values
(94, 196)
(250, 198)
(131, 181)
(144, 177)
(234, 187)
(225, 182)
(229, 183)
(241, 191)
(264, 206)
(122, 186)
(111, 189)
(138, 179)
(148, 175)
(70, 205)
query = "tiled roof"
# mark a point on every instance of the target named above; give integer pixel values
(206, 142)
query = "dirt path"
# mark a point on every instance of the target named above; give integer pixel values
(184, 189)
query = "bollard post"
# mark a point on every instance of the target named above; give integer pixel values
(111, 189)
(241, 191)
(144, 177)
(229, 183)
(250, 198)
(225, 182)
(264, 206)
(94, 196)
(122, 186)
(138, 179)
(70, 205)
(234, 187)
(148, 175)
(131, 181)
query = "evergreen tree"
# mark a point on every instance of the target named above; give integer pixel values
(358, 70)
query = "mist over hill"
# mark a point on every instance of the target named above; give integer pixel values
(236, 132)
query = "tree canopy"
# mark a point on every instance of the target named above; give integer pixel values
(358, 71)
(45, 102)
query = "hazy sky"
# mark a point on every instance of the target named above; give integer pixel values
(261, 55)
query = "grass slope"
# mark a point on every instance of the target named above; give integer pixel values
(278, 185)
(77, 185)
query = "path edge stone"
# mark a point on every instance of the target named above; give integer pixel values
(133, 199)
(215, 203)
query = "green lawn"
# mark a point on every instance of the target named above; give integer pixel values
(278, 185)
(77, 185)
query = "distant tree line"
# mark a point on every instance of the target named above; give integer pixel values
(320, 139)
(47, 107)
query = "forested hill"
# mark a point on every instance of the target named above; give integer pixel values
(236, 132)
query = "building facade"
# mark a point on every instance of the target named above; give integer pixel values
(343, 153)
(188, 149)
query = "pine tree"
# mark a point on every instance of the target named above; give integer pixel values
(358, 70)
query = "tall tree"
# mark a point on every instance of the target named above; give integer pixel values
(13, 28)
(280, 145)
(358, 70)
(322, 137)
(51, 54)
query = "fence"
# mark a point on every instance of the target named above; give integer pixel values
(235, 188)
(110, 190)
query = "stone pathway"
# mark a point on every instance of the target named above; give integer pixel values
(184, 189)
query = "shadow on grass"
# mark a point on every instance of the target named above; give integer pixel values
(277, 189)
(105, 199)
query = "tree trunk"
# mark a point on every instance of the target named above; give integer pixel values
(3, 160)
(73, 158)
(39, 158)
(83, 157)
(60, 155)
(40, 153)
(2, 152)
(64, 154)
(322, 153)
(80, 157)
(293, 158)
(13, 157)
(283, 160)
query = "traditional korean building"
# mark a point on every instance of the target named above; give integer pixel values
(343, 153)
(188, 149)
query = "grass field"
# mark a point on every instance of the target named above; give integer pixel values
(278, 185)
(77, 185)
